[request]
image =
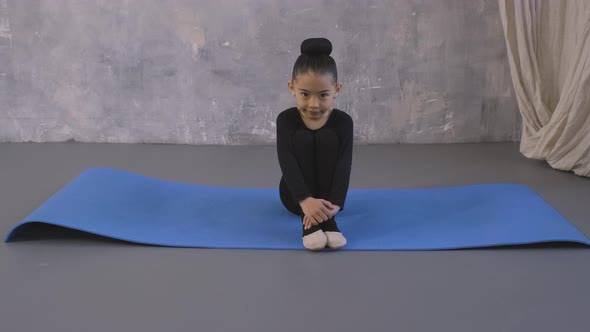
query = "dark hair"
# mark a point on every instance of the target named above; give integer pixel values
(315, 57)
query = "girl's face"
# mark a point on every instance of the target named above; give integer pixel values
(314, 94)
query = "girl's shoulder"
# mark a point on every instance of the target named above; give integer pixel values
(342, 117)
(291, 111)
(288, 117)
(342, 114)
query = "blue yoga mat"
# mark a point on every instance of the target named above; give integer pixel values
(131, 207)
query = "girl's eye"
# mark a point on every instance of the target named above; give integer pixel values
(324, 95)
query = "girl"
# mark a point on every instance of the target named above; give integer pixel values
(314, 146)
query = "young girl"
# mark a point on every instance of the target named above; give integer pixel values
(314, 145)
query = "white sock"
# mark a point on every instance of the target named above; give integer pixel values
(335, 240)
(315, 241)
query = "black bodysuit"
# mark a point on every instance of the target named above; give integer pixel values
(314, 163)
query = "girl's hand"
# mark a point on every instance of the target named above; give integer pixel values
(310, 222)
(317, 209)
(334, 210)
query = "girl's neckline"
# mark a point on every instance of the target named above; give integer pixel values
(316, 129)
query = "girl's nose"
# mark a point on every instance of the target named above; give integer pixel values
(314, 102)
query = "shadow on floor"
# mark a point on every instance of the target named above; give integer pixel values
(37, 231)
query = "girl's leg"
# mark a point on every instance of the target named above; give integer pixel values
(327, 144)
(288, 202)
(326, 156)
(304, 150)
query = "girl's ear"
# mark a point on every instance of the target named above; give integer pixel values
(291, 87)
(338, 88)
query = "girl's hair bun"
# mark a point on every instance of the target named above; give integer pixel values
(316, 47)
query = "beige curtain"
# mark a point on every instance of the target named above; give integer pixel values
(548, 44)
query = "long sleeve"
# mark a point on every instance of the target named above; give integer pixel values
(290, 168)
(341, 178)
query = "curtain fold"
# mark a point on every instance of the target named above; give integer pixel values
(548, 44)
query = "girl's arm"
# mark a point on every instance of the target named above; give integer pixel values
(341, 177)
(289, 166)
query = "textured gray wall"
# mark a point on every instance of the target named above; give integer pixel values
(216, 71)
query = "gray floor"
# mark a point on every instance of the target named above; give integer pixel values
(83, 283)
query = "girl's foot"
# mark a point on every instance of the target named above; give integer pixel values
(315, 241)
(334, 238)
(314, 238)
